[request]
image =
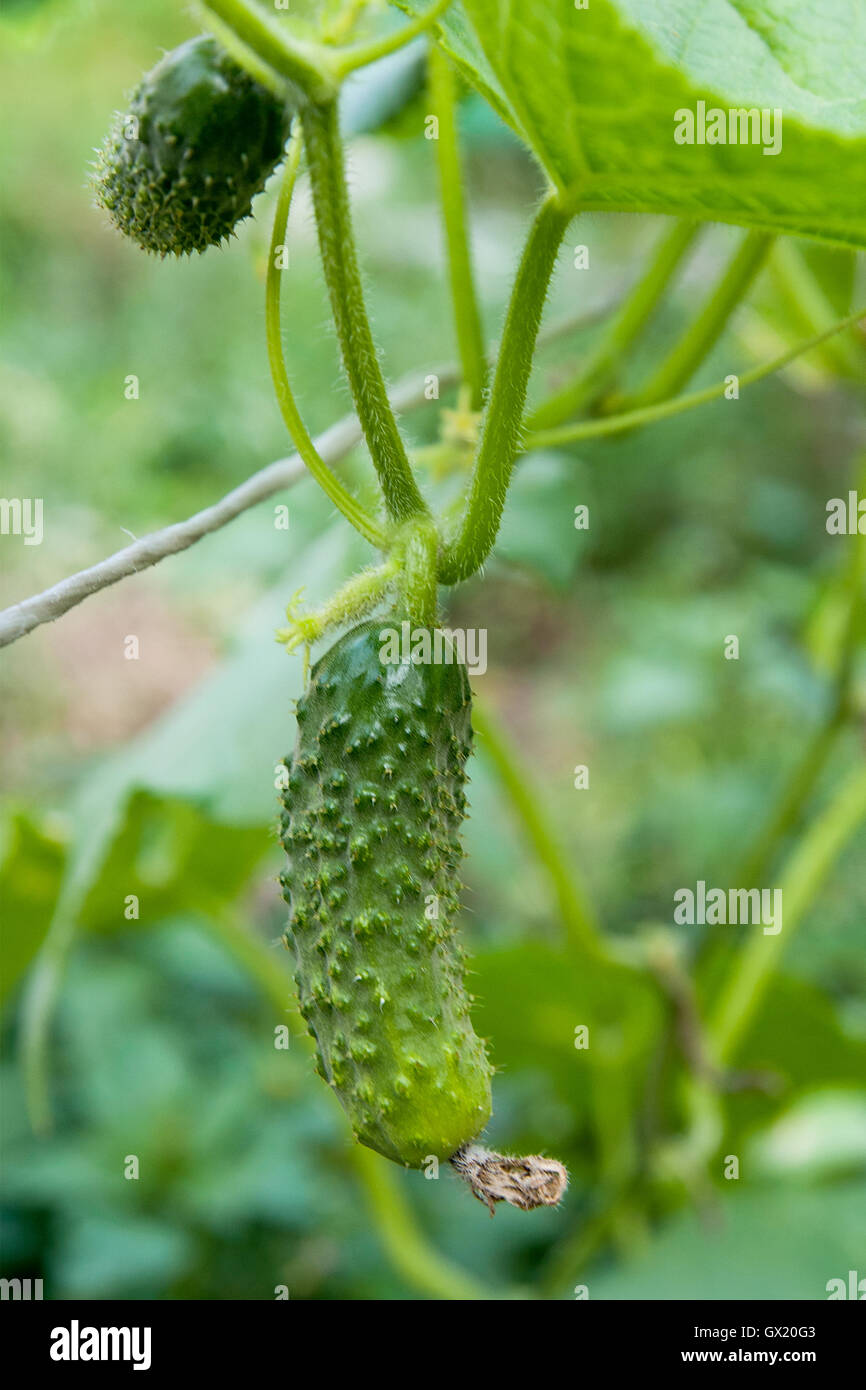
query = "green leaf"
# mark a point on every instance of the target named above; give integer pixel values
(168, 855)
(532, 997)
(594, 92)
(31, 864)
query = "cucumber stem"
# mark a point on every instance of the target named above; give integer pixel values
(464, 299)
(501, 433)
(418, 573)
(343, 276)
(328, 482)
(625, 327)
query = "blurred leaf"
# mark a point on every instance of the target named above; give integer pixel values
(797, 1039)
(532, 997)
(119, 1256)
(30, 871)
(168, 855)
(822, 1135)
(538, 530)
(772, 1244)
(218, 747)
(835, 271)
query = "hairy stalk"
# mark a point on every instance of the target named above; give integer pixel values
(648, 415)
(360, 359)
(625, 327)
(330, 484)
(357, 597)
(500, 437)
(703, 333)
(418, 573)
(464, 300)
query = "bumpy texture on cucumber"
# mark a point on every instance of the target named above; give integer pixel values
(371, 822)
(181, 167)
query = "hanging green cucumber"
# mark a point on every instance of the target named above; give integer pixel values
(373, 811)
(371, 825)
(180, 168)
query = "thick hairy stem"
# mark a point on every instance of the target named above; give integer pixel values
(418, 572)
(500, 437)
(464, 300)
(342, 499)
(360, 359)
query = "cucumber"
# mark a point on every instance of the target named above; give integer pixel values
(371, 825)
(179, 170)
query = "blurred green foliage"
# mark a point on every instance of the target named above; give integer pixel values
(155, 778)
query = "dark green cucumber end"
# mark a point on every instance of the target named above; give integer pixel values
(179, 170)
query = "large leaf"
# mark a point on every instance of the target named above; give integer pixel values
(594, 92)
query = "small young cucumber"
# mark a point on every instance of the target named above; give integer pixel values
(371, 822)
(200, 138)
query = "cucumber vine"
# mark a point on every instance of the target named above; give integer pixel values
(374, 799)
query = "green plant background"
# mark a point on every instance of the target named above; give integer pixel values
(605, 648)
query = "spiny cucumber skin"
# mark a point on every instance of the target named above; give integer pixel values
(371, 821)
(208, 138)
